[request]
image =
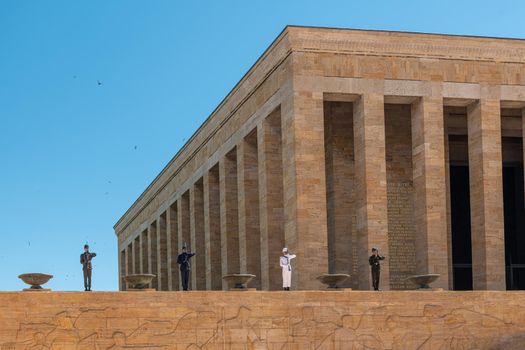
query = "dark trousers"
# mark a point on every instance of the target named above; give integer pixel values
(184, 276)
(87, 278)
(375, 277)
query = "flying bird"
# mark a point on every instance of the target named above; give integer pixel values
(135, 147)
(99, 83)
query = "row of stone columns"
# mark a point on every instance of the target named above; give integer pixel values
(430, 189)
(429, 184)
(270, 191)
(232, 217)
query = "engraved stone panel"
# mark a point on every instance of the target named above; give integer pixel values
(399, 192)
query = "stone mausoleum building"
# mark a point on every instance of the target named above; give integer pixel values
(337, 141)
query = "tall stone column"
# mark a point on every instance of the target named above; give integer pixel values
(184, 220)
(370, 180)
(229, 214)
(271, 217)
(198, 273)
(122, 269)
(144, 252)
(173, 245)
(133, 257)
(162, 252)
(305, 186)
(212, 229)
(184, 230)
(449, 210)
(153, 257)
(248, 196)
(523, 133)
(429, 181)
(129, 259)
(136, 255)
(486, 194)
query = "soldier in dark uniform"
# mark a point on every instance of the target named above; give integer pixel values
(376, 267)
(184, 261)
(85, 260)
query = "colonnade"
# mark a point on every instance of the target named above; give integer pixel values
(269, 190)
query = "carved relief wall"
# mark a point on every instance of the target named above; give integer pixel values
(262, 320)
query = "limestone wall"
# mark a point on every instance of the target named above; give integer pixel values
(262, 320)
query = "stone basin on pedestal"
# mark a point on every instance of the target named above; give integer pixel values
(238, 281)
(35, 280)
(333, 280)
(139, 281)
(423, 281)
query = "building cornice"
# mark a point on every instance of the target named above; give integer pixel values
(403, 44)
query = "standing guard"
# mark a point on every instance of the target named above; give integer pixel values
(376, 267)
(287, 268)
(85, 260)
(184, 261)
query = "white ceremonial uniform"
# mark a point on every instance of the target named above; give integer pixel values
(287, 269)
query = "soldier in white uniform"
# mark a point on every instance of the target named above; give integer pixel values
(287, 268)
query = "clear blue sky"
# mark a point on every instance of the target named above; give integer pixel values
(69, 167)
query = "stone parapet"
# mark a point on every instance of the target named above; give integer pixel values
(262, 320)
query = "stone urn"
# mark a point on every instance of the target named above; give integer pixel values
(423, 281)
(139, 281)
(333, 280)
(35, 280)
(238, 281)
